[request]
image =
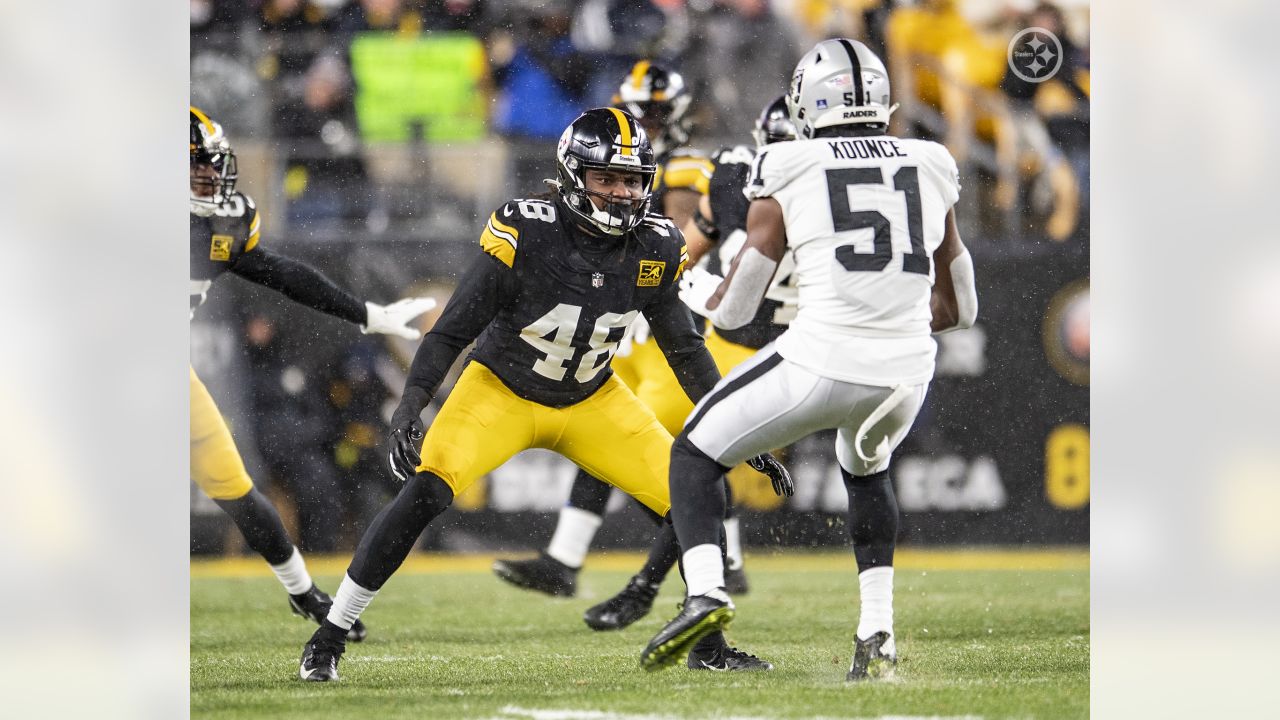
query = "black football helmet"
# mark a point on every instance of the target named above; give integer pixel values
(774, 124)
(658, 98)
(604, 139)
(213, 164)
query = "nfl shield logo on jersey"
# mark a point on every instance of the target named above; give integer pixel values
(597, 279)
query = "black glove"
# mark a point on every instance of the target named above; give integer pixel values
(406, 442)
(778, 475)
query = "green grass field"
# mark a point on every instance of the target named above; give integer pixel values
(980, 634)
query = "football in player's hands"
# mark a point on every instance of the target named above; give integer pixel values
(405, 454)
(394, 319)
(696, 288)
(778, 474)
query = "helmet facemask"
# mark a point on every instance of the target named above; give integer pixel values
(668, 116)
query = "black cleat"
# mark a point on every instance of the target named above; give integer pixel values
(735, 581)
(314, 605)
(632, 603)
(726, 659)
(699, 617)
(543, 574)
(873, 658)
(321, 654)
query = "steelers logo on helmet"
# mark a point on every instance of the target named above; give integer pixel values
(605, 139)
(659, 99)
(213, 165)
(839, 82)
(774, 124)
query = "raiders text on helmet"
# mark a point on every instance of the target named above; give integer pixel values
(213, 165)
(657, 97)
(774, 124)
(839, 82)
(604, 139)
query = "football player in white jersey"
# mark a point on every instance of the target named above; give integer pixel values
(880, 267)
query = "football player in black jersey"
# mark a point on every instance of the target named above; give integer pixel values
(717, 231)
(225, 234)
(659, 99)
(546, 304)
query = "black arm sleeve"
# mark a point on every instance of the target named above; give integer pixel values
(485, 287)
(671, 322)
(299, 282)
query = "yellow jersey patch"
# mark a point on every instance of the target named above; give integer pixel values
(220, 247)
(650, 273)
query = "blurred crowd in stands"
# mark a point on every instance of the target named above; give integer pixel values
(390, 128)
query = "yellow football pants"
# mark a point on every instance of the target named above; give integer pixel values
(611, 435)
(649, 376)
(215, 462)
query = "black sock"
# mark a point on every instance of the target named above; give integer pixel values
(710, 643)
(697, 495)
(333, 632)
(392, 534)
(261, 526)
(663, 553)
(589, 494)
(873, 518)
(729, 511)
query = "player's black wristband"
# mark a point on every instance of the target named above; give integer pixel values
(705, 226)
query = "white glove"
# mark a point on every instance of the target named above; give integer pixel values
(394, 319)
(696, 288)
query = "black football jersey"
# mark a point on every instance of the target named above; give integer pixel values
(219, 240)
(729, 208)
(567, 298)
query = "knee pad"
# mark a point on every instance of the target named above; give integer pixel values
(427, 494)
(684, 446)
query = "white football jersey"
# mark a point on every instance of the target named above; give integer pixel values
(863, 216)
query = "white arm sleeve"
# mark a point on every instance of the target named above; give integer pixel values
(747, 288)
(966, 292)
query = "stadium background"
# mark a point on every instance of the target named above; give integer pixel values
(376, 135)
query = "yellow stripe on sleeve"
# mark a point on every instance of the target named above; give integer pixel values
(499, 241)
(514, 233)
(255, 232)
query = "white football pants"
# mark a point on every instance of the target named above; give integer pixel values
(769, 402)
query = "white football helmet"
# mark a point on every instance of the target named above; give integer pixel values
(839, 82)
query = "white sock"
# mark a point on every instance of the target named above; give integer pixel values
(877, 601)
(293, 574)
(575, 529)
(704, 571)
(349, 603)
(733, 542)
